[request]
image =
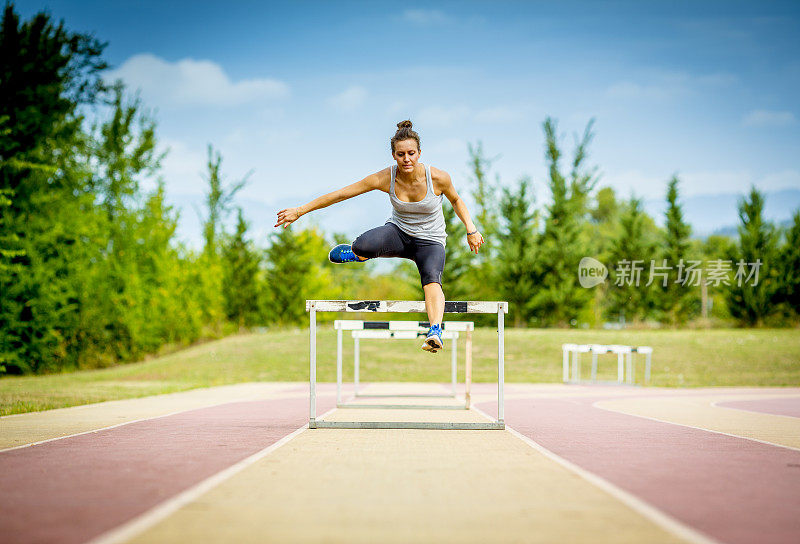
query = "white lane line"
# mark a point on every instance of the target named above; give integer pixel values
(158, 513)
(149, 418)
(655, 515)
(696, 428)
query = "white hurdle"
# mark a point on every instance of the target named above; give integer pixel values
(401, 330)
(404, 306)
(626, 368)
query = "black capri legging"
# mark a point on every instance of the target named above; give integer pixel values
(389, 241)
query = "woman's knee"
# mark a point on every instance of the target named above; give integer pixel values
(364, 247)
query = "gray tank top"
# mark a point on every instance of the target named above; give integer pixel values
(423, 219)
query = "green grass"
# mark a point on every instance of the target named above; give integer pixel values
(681, 358)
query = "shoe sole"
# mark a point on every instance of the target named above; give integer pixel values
(345, 262)
(433, 345)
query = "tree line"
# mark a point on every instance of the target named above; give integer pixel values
(656, 275)
(91, 272)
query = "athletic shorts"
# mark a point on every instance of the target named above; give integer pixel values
(390, 241)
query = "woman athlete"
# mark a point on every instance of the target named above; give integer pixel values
(416, 229)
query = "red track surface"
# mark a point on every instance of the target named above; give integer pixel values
(789, 406)
(734, 490)
(71, 490)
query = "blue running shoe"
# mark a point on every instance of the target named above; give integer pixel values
(433, 341)
(343, 253)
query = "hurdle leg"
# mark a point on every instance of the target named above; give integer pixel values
(453, 364)
(647, 369)
(575, 366)
(565, 364)
(312, 415)
(620, 369)
(468, 369)
(630, 367)
(356, 362)
(594, 366)
(500, 362)
(338, 366)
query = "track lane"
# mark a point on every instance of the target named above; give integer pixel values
(782, 406)
(71, 490)
(732, 489)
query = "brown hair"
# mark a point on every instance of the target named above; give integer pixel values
(404, 132)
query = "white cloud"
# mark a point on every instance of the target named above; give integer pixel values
(701, 182)
(774, 181)
(769, 118)
(446, 148)
(627, 183)
(349, 99)
(656, 91)
(426, 16)
(440, 116)
(666, 85)
(499, 114)
(738, 181)
(190, 82)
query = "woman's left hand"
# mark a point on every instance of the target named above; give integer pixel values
(475, 241)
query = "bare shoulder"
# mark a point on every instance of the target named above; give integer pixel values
(380, 180)
(441, 179)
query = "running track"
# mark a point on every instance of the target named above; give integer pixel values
(73, 489)
(732, 489)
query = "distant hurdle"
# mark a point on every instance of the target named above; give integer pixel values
(403, 306)
(625, 372)
(403, 330)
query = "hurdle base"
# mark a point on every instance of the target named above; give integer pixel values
(448, 426)
(417, 396)
(600, 382)
(405, 406)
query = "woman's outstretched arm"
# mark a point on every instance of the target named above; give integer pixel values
(369, 183)
(442, 181)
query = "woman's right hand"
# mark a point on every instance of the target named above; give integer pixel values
(288, 216)
(475, 241)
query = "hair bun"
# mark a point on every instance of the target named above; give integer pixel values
(404, 124)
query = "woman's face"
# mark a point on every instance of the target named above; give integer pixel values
(406, 153)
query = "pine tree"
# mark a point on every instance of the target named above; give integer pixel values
(751, 302)
(240, 285)
(476, 281)
(598, 236)
(517, 252)
(123, 151)
(628, 296)
(483, 193)
(559, 298)
(218, 200)
(677, 301)
(457, 264)
(46, 72)
(290, 267)
(789, 290)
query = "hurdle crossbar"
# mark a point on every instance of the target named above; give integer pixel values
(397, 330)
(404, 306)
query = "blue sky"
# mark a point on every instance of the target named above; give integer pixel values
(307, 94)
